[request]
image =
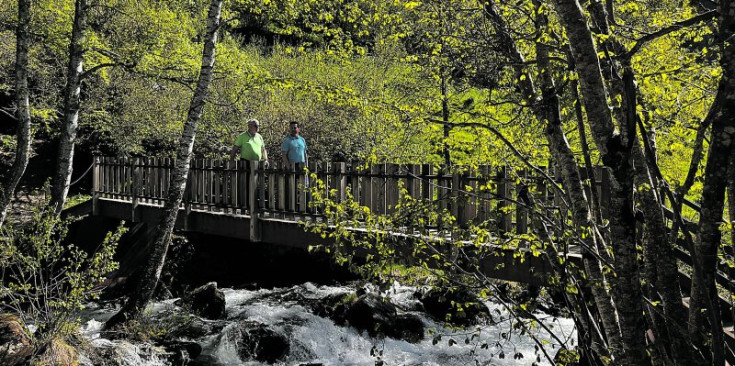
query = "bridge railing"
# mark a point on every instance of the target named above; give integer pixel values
(240, 187)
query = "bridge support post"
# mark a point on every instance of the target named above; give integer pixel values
(255, 234)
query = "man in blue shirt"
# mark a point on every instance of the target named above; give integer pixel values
(293, 147)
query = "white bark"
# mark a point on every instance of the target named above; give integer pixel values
(23, 112)
(162, 233)
(70, 122)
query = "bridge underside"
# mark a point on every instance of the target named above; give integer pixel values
(504, 264)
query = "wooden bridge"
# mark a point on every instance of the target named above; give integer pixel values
(245, 200)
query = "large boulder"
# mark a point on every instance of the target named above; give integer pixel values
(380, 318)
(454, 305)
(207, 301)
(256, 341)
(15, 345)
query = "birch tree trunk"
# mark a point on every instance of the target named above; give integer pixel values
(23, 108)
(615, 151)
(546, 110)
(162, 233)
(70, 121)
(704, 297)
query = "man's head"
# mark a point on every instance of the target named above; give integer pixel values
(253, 125)
(293, 128)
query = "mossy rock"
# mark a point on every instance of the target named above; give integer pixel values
(57, 353)
(15, 344)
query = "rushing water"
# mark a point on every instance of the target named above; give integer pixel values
(317, 340)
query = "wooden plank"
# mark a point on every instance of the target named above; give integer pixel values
(454, 203)
(252, 195)
(194, 180)
(470, 205)
(292, 188)
(354, 179)
(521, 211)
(136, 180)
(339, 181)
(244, 171)
(272, 193)
(377, 205)
(281, 201)
(95, 185)
(366, 188)
(504, 192)
(217, 183)
(391, 187)
(232, 185)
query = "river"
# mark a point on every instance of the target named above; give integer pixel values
(318, 340)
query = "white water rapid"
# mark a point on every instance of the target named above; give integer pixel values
(316, 340)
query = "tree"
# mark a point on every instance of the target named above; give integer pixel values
(148, 279)
(70, 121)
(23, 109)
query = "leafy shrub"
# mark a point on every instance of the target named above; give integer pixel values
(45, 281)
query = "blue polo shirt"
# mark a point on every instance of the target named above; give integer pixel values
(295, 147)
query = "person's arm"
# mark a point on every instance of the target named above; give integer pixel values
(306, 158)
(234, 152)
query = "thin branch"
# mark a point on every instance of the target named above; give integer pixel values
(672, 28)
(8, 114)
(86, 73)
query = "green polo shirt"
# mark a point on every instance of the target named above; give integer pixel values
(251, 147)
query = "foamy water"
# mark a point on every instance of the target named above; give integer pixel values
(315, 339)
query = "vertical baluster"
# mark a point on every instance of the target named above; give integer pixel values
(391, 187)
(469, 204)
(282, 172)
(272, 193)
(253, 198)
(104, 175)
(95, 185)
(340, 180)
(217, 183)
(354, 178)
(292, 189)
(378, 189)
(260, 188)
(242, 186)
(366, 187)
(457, 207)
(504, 192)
(230, 186)
(193, 186)
(521, 210)
(135, 188)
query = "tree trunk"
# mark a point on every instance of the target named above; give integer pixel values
(581, 214)
(23, 108)
(70, 121)
(615, 153)
(661, 269)
(162, 238)
(547, 112)
(704, 293)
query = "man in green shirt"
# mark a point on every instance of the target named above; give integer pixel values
(249, 145)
